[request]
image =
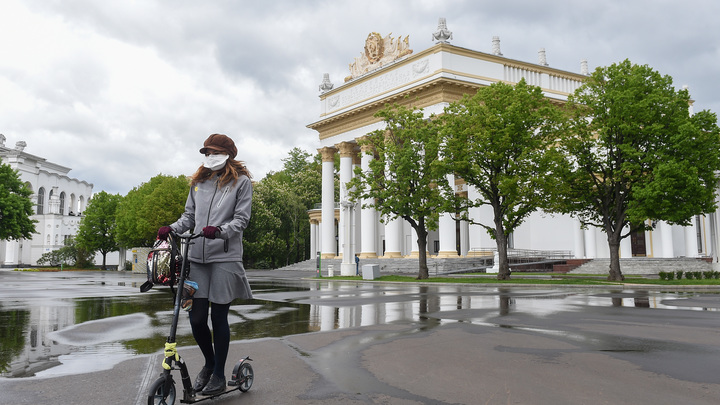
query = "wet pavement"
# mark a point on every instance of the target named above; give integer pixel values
(93, 338)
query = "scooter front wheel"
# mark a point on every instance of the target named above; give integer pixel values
(162, 392)
(245, 377)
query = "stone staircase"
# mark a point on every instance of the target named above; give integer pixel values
(436, 266)
(645, 265)
(441, 266)
(569, 265)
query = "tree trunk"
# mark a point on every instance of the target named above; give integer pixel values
(614, 245)
(104, 255)
(501, 243)
(422, 254)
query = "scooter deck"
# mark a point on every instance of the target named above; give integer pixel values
(200, 397)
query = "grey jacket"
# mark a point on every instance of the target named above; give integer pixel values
(227, 208)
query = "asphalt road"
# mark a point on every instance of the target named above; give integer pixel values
(451, 345)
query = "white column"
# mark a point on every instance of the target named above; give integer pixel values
(393, 231)
(11, 248)
(368, 215)
(313, 238)
(464, 237)
(579, 240)
(626, 245)
(357, 219)
(327, 241)
(590, 243)
(691, 246)
(712, 230)
(714, 239)
(475, 232)
(122, 257)
(393, 236)
(446, 230)
(345, 229)
(414, 249)
(666, 239)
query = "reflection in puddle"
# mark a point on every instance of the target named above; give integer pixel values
(63, 335)
(92, 334)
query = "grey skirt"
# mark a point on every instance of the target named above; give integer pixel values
(220, 283)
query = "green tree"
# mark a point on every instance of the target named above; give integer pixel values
(272, 234)
(96, 232)
(634, 153)
(498, 142)
(401, 179)
(279, 229)
(303, 173)
(15, 206)
(149, 206)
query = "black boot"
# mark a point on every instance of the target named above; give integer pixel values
(202, 379)
(215, 386)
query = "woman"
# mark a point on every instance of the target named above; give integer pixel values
(218, 206)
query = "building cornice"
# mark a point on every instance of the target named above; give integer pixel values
(442, 85)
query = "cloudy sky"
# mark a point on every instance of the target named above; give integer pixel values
(123, 90)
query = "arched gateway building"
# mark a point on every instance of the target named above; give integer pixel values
(389, 72)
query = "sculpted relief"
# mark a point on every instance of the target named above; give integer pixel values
(378, 52)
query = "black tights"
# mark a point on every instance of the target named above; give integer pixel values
(220, 335)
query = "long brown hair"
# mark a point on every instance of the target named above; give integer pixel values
(230, 173)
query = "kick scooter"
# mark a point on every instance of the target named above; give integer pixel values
(162, 391)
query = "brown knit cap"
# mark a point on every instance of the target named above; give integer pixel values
(220, 143)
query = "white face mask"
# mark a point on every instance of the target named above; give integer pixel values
(215, 162)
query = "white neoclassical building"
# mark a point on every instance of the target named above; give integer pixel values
(389, 72)
(58, 199)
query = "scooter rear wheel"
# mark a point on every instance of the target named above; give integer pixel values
(162, 392)
(245, 377)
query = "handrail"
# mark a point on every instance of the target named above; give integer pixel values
(530, 253)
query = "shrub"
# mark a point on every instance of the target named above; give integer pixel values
(708, 274)
(698, 275)
(68, 255)
(689, 275)
(679, 274)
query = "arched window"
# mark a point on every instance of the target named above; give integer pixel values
(41, 201)
(72, 208)
(81, 205)
(62, 203)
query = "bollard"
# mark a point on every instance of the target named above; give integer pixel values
(331, 271)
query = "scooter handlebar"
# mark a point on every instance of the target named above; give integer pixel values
(188, 236)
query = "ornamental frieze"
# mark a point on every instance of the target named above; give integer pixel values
(379, 52)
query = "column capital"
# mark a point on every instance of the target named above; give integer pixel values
(347, 149)
(328, 153)
(367, 147)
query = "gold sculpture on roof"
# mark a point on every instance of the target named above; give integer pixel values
(378, 52)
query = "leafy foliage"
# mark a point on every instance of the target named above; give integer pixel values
(498, 141)
(146, 208)
(97, 227)
(16, 208)
(71, 254)
(279, 229)
(634, 153)
(402, 179)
